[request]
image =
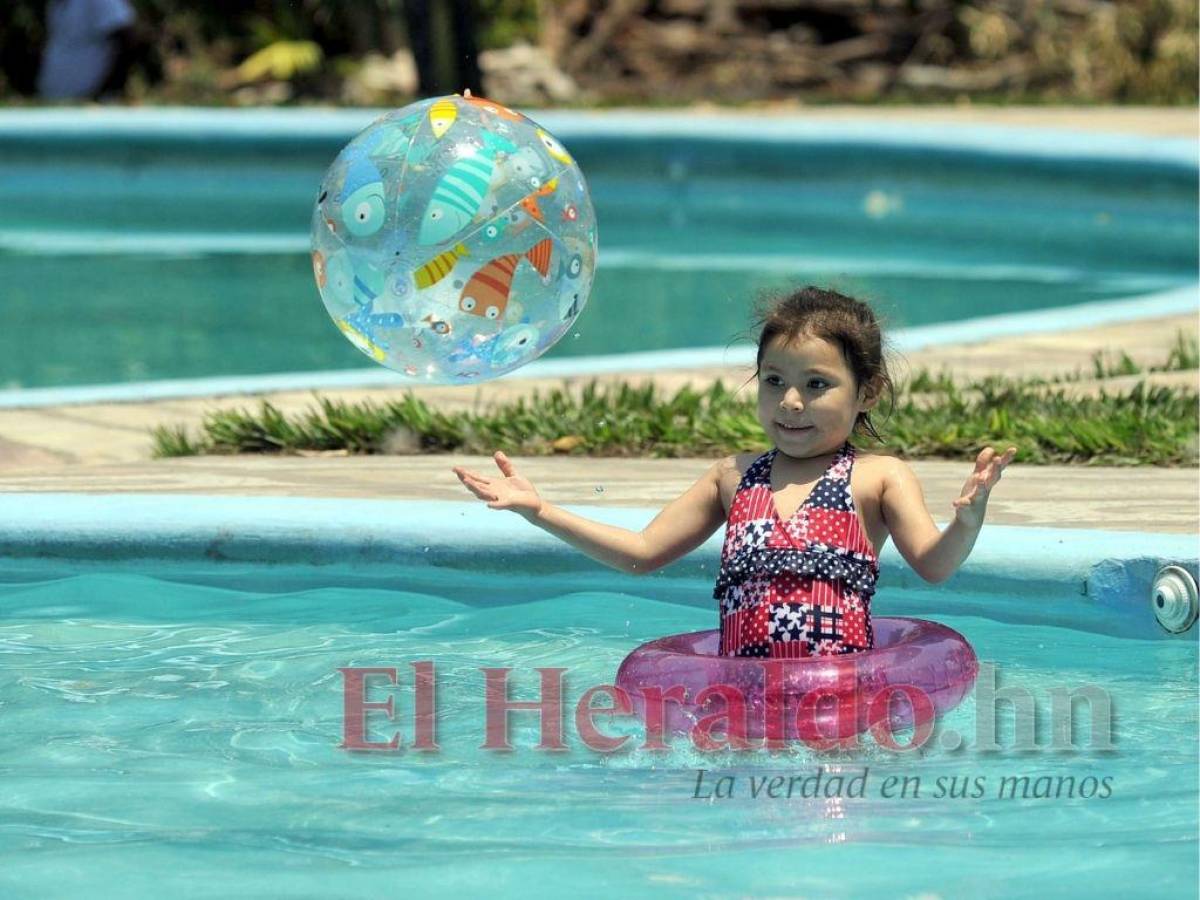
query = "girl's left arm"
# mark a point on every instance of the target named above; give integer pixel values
(933, 554)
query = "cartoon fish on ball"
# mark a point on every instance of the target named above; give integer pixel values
(363, 208)
(513, 345)
(459, 193)
(554, 148)
(486, 293)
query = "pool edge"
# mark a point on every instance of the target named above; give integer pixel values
(1109, 572)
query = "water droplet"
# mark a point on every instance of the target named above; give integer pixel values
(575, 335)
(426, 550)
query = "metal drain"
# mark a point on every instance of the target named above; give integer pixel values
(1173, 599)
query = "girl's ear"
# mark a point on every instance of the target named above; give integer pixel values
(870, 392)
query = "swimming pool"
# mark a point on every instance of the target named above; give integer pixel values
(173, 708)
(145, 245)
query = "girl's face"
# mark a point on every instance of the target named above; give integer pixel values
(806, 383)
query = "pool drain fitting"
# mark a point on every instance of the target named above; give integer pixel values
(1173, 598)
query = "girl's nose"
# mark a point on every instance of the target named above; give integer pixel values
(792, 398)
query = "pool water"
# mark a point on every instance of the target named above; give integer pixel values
(132, 262)
(184, 722)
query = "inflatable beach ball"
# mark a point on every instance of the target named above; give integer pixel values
(454, 240)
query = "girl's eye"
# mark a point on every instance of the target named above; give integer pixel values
(818, 384)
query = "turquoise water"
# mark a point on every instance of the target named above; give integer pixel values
(129, 263)
(183, 723)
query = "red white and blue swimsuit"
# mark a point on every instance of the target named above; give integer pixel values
(796, 588)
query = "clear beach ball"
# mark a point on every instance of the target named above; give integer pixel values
(454, 240)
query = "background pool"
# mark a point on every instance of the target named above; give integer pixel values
(182, 720)
(136, 253)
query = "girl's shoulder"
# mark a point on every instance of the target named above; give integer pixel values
(730, 470)
(735, 466)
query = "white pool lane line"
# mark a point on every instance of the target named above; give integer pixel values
(1085, 315)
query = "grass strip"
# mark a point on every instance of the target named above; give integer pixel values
(932, 418)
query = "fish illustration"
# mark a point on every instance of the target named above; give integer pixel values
(530, 203)
(318, 262)
(493, 231)
(363, 209)
(339, 277)
(438, 326)
(571, 267)
(360, 327)
(366, 320)
(513, 345)
(441, 116)
(524, 165)
(568, 304)
(494, 108)
(394, 138)
(460, 191)
(361, 341)
(348, 283)
(368, 284)
(570, 213)
(486, 293)
(511, 223)
(439, 267)
(554, 148)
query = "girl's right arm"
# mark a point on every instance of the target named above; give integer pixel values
(683, 524)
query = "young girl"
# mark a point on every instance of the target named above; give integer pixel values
(803, 522)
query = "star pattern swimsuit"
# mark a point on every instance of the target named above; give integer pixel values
(801, 587)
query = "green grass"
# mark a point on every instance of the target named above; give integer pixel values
(932, 418)
(1184, 354)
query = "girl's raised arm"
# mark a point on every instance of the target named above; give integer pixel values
(683, 525)
(936, 555)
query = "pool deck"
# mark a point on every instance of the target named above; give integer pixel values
(105, 447)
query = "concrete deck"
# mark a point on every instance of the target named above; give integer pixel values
(105, 448)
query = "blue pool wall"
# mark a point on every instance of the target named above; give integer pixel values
(130, 145)
(1072, 578)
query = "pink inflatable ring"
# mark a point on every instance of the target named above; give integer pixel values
(916, 671)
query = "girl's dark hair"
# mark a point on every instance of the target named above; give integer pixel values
(848, 323)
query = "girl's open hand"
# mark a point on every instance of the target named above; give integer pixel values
(511, 491)
(972, 503)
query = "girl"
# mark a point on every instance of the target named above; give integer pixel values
(803, 522)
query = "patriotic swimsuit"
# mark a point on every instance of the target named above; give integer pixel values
(796, 588)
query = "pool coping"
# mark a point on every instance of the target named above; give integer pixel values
(1063, 577)
(183, 125)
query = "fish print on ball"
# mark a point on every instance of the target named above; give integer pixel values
(454, 240)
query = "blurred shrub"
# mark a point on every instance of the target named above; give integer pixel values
(1090, 51)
